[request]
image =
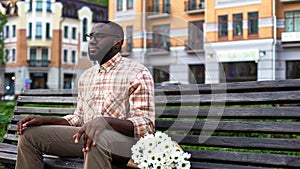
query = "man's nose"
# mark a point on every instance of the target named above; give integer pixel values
(92, 40)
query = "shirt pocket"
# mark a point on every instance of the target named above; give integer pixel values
(115, 104)
(92, 104)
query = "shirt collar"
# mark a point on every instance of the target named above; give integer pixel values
(107, 66)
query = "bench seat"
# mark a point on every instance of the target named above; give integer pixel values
(247, 125)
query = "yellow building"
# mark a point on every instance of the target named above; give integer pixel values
(45, 46)
(199, 41)
(165, 35)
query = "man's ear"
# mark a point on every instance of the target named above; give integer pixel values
(118, 43)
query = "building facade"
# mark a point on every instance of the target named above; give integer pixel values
(45, 45)
(197, 41)
(164, 35)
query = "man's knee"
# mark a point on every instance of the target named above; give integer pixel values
(30, 136)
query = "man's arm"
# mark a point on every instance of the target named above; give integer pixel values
(123, 126)
(39, 120)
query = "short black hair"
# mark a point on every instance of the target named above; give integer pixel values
(116, 28)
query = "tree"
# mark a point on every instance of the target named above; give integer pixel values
(3, 21)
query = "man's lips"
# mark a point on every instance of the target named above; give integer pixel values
(93, 49)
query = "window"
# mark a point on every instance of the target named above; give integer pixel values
(6, 55)
(161, 37)
(44, 62)
(237, 24)
(6, 31)
(32, 53)
(84, 29)
(252, 23)
(48, 5)
(73, 56)
(38, 33)
(167, 6)
(129, 4)
(223, 26)
(119, 5)
(65, 55)
(69, 81)
(156, 6)
(195, 35)
(44, 53)
(192, 4)
(239, 71)
(101, 15)
(293, 69)
(161, 74)
(13, 56)
(29, 30)
(14, 31)
(32, 57)
(66, 29)
(39, 5)
(129, 41)
(292, 21)
(74, 31)
(30, 5)
(48, 30)
(196, 74)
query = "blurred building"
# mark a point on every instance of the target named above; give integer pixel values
(44, 40)
(198, 41)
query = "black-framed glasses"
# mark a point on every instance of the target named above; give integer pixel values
(99, 36)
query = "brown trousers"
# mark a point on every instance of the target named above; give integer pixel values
(57, 140)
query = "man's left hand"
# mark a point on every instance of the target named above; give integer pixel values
(90, 132)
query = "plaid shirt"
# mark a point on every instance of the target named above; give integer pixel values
(120, 88)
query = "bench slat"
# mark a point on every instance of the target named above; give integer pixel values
(207, 165)
(275, 160)
(236, 87)
(43, 110)
(10, 138)
(49, 92)
(240, 142)
(245, 113)
(47, 100)
(230, 126)
(230, 98)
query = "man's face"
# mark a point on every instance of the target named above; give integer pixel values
(100, 42)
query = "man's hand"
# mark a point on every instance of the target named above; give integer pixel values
(39, 120)
(29, 121)
(90, 132)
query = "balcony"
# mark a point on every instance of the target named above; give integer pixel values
(158, 48)
(290, 36)
(159, 11)
(38, 63)
(194, 6)
(195, 46)
(289, 0)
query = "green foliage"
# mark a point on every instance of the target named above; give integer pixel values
(99, 2)
(6, 112)
(3, 21)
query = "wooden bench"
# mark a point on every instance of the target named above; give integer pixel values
(247, 125)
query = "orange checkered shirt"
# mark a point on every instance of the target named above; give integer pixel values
(120, 88)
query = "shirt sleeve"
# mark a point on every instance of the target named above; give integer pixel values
(76, 118)
(141, 102)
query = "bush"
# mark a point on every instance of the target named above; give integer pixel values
(6, 112)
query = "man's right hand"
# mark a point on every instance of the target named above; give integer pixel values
(29, 121)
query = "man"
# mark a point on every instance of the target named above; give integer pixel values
(115, 104)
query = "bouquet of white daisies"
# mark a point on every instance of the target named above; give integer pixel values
(158, 151)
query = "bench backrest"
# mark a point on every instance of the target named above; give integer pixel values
(233, 125)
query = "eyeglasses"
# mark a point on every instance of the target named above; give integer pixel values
(98, 36)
